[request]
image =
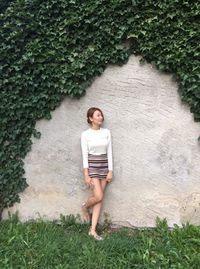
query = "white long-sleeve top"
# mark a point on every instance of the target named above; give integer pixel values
(96, 142)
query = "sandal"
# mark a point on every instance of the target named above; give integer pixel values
(95, 235)
(86, 216)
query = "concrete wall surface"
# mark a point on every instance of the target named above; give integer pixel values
(156, 154)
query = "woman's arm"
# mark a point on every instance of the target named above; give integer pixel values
(109, 152)
(85, 172)
(84, 148)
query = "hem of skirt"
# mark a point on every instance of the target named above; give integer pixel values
(98, 177)
(103, 154)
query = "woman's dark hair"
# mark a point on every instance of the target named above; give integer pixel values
(90, 113)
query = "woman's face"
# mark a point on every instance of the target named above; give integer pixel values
(97, 118)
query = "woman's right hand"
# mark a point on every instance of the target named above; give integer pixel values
(88, 181)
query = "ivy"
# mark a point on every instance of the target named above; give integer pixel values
(55, 48)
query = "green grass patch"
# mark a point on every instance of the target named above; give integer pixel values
(64, 243)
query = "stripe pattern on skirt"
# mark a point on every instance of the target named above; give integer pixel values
(98, 165)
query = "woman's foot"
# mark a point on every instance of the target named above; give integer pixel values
(95, 235)
(86, 216)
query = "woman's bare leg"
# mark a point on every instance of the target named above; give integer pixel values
(97, 207)
(97, 194)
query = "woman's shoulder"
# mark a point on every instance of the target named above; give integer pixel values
(85, 132)
(88, 131)
(105, 129)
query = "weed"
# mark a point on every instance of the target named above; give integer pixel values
(64, 243)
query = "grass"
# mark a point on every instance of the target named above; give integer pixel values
(64, 243)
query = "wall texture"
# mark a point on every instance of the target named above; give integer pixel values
(156, 154)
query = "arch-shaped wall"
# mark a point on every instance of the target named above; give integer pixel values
(155, 152)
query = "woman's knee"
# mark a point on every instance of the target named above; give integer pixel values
(99, 197)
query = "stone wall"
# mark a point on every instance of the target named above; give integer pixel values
(156, 154)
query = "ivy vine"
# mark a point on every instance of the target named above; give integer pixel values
(53, 48)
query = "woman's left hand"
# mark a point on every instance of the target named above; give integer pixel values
(109, 176)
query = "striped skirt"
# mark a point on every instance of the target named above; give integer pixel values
(98, 165)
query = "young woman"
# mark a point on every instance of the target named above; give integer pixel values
(97, 164)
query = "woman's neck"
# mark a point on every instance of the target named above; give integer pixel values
(95, 127)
